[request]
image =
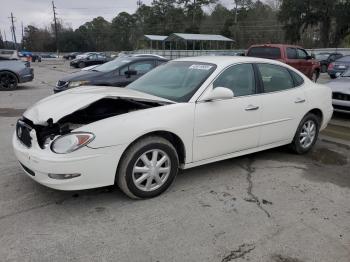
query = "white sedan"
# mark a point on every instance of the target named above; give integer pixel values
(185, 113)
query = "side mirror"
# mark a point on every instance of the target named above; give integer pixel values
(129, 73)
(308, 57)
(218, 93)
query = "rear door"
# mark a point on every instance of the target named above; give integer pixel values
(283, 101)
(292, 58)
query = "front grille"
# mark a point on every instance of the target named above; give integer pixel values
(23, 133)
(345, 108)
(29, 171)
(61, 83)
(341, 96)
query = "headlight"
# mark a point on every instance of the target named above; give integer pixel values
(71, 142)
(78, 83)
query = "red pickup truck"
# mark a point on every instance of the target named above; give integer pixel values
(292, 55)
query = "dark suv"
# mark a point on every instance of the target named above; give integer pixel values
(118, 72)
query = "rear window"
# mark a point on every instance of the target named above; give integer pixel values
(265, 52)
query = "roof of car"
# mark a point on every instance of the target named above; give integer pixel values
(275, 45)
(224, 61)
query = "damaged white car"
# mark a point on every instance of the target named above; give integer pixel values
(185, 113)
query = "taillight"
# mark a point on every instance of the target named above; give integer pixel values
(330, 66)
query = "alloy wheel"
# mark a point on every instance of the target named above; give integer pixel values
(7, 81)
(307, 134)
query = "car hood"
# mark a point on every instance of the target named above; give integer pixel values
(341, 84)
(62, 104)
(83, 75)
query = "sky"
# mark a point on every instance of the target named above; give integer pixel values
(73, 12)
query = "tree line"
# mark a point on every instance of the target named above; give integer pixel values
(312, 23)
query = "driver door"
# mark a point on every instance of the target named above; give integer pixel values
(140, 68)
(226, 126)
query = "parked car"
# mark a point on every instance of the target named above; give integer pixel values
(339, 66)
(87, 54)
(36, 58)
(294, 56)
(326, 58)
(185, 113)
(7, 54)
(92, 59)
(71, 56)
(48, 55)
(13, 72)
(118, 72)
(341, 92)
(25, 53)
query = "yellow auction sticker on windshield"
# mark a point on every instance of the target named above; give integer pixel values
(200, 67)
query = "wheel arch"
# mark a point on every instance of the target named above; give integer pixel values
(317, 112)
(174, 139)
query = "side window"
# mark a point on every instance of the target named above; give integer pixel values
(159, 62)
(275, 78)
(298, 80)
(239, 78)
(291, 53)
(302, 54)
(142, 67)
(123, 70)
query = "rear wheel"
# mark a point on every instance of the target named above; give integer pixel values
(306, 134)
(81, 65)
(333, 76)
(315, 76)
(8, 81)
(147, 168)
(323, 68)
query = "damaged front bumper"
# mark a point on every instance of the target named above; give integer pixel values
(96, 167)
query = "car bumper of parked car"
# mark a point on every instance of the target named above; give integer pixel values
(27, 77)
(335, 72)
(85, 168)
(342, 106)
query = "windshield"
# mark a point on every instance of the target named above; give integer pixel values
(176, 81)
(344, 59)
(112, 65)
(321, 56)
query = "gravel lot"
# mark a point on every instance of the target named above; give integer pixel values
(272, 206)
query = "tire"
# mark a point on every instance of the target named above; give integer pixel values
(8, 81)
(131, 165)
(324, 68)
(315, 76)
(333, 76)
(297, 145)
(81, 65)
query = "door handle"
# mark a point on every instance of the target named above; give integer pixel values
(299, 100)
(251, 108)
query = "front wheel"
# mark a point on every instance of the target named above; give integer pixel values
(81, 65)
(306, 134)
(147, 168)
(8, 81)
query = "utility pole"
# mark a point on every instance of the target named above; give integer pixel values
(54, 18)
(13, 29)
(22, 36)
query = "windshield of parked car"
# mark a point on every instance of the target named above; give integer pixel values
(112, 65)
(176, 81)
(344, 59)
(321, 57)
